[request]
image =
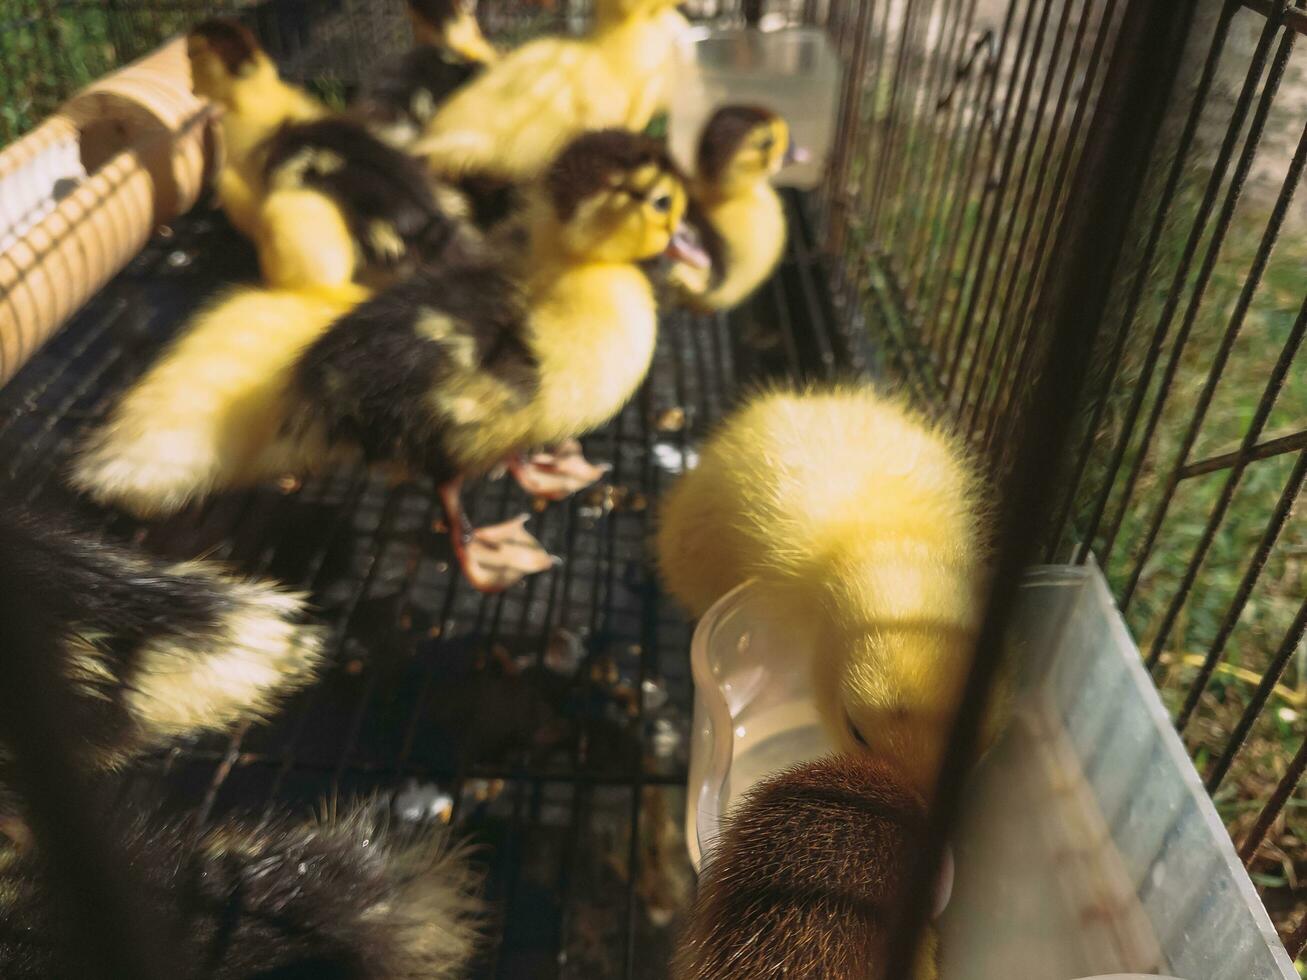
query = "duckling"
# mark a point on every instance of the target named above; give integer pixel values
(205, 416)
(450, 50)
(809, 877)
(866, 522)
(345, 897)
(491, 367)
(462, 367)
(340, 204)
(324, 200)
(231, 69)
(511, 121)
(154, 650)
(451, 25)
(736, 211)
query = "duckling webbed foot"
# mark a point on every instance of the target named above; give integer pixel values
(556, 475)
(497, 557)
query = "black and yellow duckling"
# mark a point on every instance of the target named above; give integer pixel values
(861, 520)
(809, 877)
(451, 25)
(457, 370)
(512, 120)
(231, 69)
(450, 50)
(346, 897)
(324, 200)
(340, 205)
(734, 207)
(155, 651)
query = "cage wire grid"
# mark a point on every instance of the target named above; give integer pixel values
(962, 125)
(554, 718)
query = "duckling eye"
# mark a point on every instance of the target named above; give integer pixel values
(662, 203)
(767, 144)
(857, 735)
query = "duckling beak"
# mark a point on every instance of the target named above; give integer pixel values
(794, 154)
(684, 247)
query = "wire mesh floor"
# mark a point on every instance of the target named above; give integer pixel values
(549, 724)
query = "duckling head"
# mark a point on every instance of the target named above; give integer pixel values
(614, 196)
(223, 53)
(450, 25)
(742, 145)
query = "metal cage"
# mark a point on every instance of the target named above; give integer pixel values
(950, 252)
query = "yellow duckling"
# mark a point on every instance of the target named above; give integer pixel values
(735, 209)
(860, 518)
(511, 121)
(231, 69)
(457, 370)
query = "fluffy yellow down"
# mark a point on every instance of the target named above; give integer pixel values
(858, 517)
(513, 120)
(207, 415)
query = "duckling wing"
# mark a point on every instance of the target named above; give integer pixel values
(401, 100)
(385, 196)
(433, 373)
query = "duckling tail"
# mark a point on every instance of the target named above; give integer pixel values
(152, 650)
(808, 878)
(204, 416)
(349, 898)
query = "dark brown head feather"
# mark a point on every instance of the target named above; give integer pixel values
(807, 877)
(230, 40)
(592, 159)
(437, 13)
(722, 134)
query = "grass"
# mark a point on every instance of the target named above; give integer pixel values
(50, 53)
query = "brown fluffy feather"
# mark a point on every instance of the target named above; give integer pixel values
(808, 878)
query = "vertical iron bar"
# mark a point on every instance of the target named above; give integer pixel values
(1263, 693)
(1047, 218)
(918, 102)
(1015, 367)
(958, 325)
(1255, 69)
(1274, 806)
(1001, 326)
(997, 215)
(1253, 280)
(948, 239)
(1109, 181)
(890, 137)
(847, 134)
(1139, 281)
(936, 177)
